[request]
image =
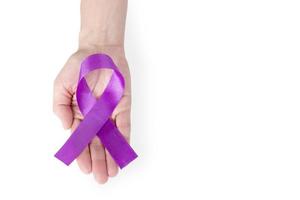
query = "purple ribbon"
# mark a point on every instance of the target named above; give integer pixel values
(97, 114)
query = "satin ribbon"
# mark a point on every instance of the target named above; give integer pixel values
(97, 113)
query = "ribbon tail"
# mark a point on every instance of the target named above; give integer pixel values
(116, 144)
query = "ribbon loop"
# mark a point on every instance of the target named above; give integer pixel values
(97, 114)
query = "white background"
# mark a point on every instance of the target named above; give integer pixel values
(216, 102)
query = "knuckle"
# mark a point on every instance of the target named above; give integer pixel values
(54, 109)
(96, 146)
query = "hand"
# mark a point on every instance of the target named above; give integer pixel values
(95, 158)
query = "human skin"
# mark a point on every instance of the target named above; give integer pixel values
(102, 31)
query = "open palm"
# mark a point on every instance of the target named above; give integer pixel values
(94, 158)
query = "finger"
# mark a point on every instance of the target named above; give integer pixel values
(65, 114)
(123, 124)
(84, 159)
(112, 168)
(62, 104)
(98, 161)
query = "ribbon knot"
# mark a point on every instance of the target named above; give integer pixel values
(97, 114)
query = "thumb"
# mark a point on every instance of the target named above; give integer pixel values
(62, 104)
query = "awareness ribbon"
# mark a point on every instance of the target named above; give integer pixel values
(97, 114)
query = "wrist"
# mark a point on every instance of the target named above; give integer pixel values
(99, 38)
(102, 23)
(91, 47)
